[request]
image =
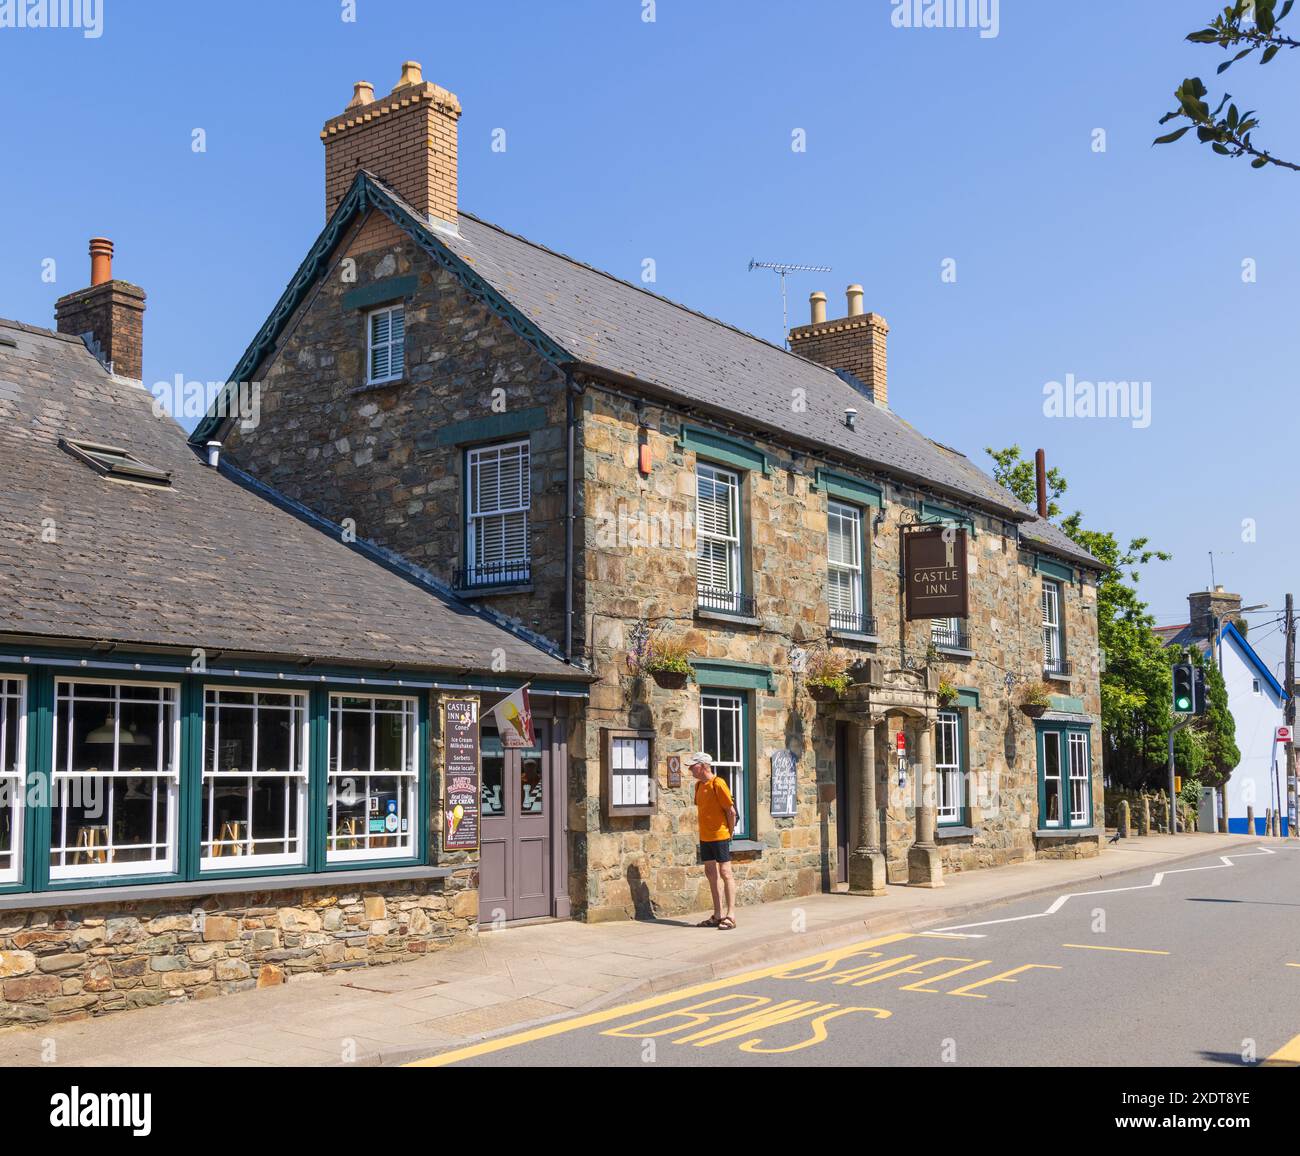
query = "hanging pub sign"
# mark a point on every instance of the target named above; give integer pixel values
(934, 562)
(461, 776)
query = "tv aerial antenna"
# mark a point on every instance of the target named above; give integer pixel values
(781, 269)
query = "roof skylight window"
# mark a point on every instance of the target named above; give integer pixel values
(115, 462)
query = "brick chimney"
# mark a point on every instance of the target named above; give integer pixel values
(855, 343)
(1206, 605)
(109, 315)
(407, 139)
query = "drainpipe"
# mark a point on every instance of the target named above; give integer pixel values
(570, 419)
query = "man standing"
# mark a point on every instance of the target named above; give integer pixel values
(717, 817)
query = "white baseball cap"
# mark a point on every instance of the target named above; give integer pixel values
(701, 757)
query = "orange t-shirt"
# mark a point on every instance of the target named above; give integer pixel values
(713, 807)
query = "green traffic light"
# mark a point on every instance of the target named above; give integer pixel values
(1184, 704)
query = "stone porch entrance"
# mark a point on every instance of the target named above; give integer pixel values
(890, 701)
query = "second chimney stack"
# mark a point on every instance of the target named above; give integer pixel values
(854, 344)
(109, 313)
(408, 139)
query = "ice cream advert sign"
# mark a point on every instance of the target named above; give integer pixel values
(461, 776)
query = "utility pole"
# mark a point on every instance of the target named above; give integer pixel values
(1289, 714)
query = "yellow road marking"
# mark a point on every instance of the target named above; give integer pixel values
(1287, 1056)
(1293, 965)
(545, 1031)
(1099, 947)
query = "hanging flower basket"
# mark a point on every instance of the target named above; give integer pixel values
(829, 689)
(1035, 699)
(670, 679)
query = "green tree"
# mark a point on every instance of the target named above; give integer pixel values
(1017, 474)
(1243, 28)
(1136, 669)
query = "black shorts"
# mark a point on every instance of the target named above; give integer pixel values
(717, 851)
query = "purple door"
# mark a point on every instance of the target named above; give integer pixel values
(515, 847)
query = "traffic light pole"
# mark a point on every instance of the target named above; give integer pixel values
(1173, 799)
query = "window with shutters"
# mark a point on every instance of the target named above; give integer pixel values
(385, 344)
(845, 585)
(1053, 641)
(498, 499)
(717, 540)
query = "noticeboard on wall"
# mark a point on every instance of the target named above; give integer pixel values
(461, 772)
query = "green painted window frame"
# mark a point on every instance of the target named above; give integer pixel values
(963, 766)
(1063, 731)
(389, 291)
(1055, 570)
(932, 514)
(846, 488)
(746, 815)
(497, 427)
(40, 721)
(724, 675)
(725, 450)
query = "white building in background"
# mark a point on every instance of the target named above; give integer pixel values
(1255, 699)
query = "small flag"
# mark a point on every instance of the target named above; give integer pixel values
(514, 717)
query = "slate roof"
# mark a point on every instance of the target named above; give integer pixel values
(622, 328)
(203, 562)
(598, 322)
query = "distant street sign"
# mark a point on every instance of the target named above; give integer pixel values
(1283, 735)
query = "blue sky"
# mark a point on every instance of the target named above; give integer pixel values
(671, 140)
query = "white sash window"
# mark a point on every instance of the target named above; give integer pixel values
(717, 538)
(499, 497)
(1053, 651)
(844, 566)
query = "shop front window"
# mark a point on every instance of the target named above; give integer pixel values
(13, 763)
(254, 779)
(116, 772)
(373, 775)
(1064, 778)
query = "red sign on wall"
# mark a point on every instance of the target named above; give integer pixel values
(900, 741)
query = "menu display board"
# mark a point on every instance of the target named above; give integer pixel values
(785, 783)
(461, 771)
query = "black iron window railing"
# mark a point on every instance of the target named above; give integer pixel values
(852, 623)
(950, 634)
(512, 572)
(723, 601)
(1057, 666)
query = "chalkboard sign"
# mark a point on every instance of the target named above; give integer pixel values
(784, 784)
(461, 776)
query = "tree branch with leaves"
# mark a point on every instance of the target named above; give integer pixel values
(1246, 26)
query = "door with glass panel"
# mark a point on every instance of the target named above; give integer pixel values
(515, 844)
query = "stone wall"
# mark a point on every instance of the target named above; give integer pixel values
(372, 454)
(640, 566)
(61, 964)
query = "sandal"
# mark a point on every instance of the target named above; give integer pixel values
(712, 921)
(726, 923)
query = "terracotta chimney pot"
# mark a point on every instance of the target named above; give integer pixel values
(101, 260)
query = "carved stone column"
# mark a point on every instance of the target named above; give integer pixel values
(867, 863)
(924, 867)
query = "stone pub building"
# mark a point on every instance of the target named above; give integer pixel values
(626, 479)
